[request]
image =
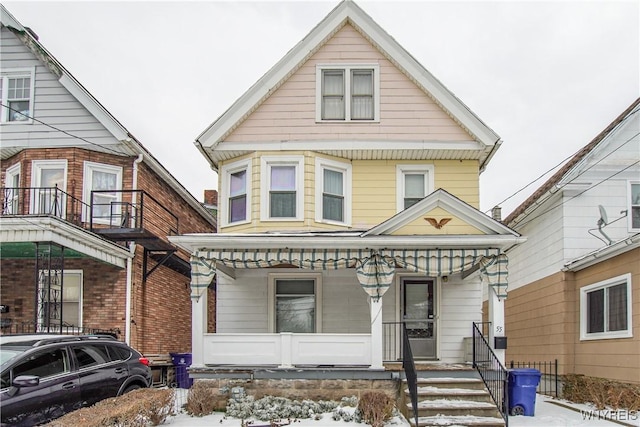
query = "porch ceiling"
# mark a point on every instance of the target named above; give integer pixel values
(24, 250)
(21, 230)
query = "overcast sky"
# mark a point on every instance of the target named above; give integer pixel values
(545, 76)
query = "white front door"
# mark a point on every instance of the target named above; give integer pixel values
(418, 314)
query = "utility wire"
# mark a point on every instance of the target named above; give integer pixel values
(563, 161)
(65, 132)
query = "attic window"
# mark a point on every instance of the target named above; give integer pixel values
(347, 93)
(16, 93)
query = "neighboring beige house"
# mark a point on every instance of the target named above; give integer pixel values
(575, 284)
(86, 211)
(348, 207)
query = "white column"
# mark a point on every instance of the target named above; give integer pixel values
(198, 328)
(376, 333)
(496, 317)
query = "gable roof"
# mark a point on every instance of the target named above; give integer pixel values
(550, 184)
(347, 12)
(129, 144)
(453, 205)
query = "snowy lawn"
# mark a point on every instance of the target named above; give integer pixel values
(547, 414)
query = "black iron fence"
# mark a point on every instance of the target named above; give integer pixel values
(494, 375)
(410, 372)
(43, 201)
(549, 381)
(33, 328)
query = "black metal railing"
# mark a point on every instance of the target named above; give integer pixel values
(43, 201)
(549, 382)
(133, 209)
(494, 375)
(29, 327)
(410, 373)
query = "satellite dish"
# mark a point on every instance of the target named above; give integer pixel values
(602, 222)
(603, 216)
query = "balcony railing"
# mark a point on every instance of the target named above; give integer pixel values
(43, 201)
(118, 215)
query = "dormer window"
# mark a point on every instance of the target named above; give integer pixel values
(347, 93)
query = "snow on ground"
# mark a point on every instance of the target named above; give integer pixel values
(549, 412)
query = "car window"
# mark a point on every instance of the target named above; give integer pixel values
(119, 352)
(91, 355)
(43, 364)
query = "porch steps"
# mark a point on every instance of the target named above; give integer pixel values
(449, 401)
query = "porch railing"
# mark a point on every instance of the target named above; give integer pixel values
(43, 201)
(494, 375)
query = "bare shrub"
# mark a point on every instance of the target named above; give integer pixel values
(602, 393)
(203, 400)
(138, 408)
(375, 407)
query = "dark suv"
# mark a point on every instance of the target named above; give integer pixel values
(46, 376)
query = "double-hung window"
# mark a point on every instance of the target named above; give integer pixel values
(295, 303)
(333, 191)
(414, 182)
(235, 192)
(634, 206)
(605, 309)
(49, 177)
(101, 188)
(282, 188)
(11, 202)
(16, 93)
(347, 92)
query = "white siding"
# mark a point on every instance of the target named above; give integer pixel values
(242, 304)
(460, 306)
(53, 105)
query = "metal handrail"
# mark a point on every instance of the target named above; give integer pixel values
(43, 201)
(410, 372)
(493, 373)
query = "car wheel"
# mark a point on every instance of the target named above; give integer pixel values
(131, 388)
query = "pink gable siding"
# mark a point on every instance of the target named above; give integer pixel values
(406, 112)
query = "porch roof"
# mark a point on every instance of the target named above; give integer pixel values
(374, 258)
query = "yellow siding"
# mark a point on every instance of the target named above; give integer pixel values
(406, 112)
(373, 194)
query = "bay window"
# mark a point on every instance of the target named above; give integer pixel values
(333, 191)
(235, 192)
(282, 188)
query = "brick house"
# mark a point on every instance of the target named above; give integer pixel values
(86, 212)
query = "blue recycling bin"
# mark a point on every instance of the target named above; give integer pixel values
(181, 361)
(522, 385)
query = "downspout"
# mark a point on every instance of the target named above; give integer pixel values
(132, 251)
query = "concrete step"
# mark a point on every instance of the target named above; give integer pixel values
(432, 393)
(458, 421)
(455, 407)
(448, 382)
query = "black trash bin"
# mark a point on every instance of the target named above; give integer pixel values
(181, 361)
(522, 391)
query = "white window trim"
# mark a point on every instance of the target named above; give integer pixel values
(271, 295)
(87, 180)
(38, 166)
(345, 168)
(629, 205)
(584, 336)
(10, 174)
(427, 170)
(347, 67)
(5, 74)
(225, 173)
(265, 172)
(66, 273)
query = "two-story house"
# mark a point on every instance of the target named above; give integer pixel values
(348, 207)
(575, 284)
(86, 212)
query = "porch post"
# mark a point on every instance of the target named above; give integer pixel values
(198, 328)
(496, 317)
(376, 333)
